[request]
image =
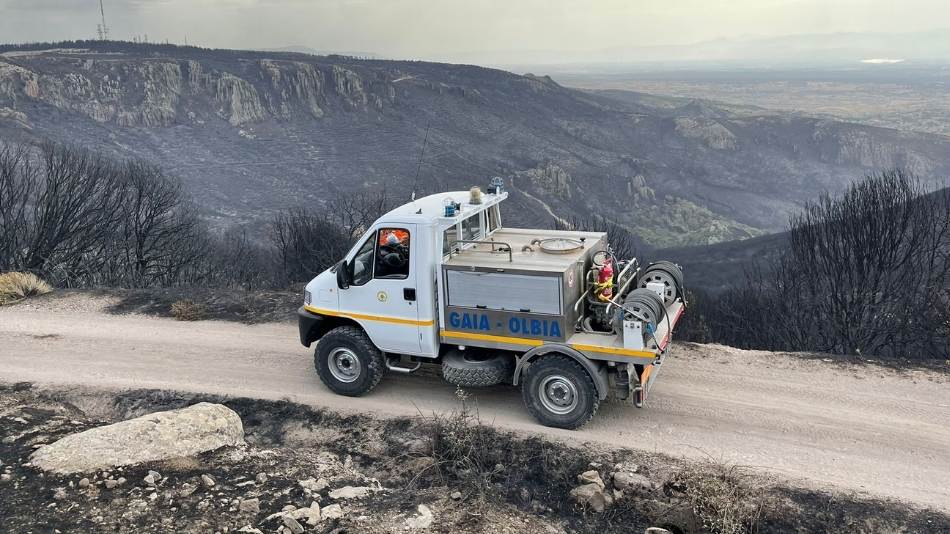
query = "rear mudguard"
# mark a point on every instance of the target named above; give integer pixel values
(597, 370)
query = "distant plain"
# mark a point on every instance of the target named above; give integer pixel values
(900, 96)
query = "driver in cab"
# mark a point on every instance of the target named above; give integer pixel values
(393, 257)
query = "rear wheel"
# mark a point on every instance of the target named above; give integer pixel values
(559, 392)
(348, 362)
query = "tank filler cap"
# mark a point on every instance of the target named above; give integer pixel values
(559, 245)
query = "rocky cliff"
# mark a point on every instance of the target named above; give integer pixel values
(251, 132)
(162, 92)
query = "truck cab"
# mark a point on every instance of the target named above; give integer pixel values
(441, 281)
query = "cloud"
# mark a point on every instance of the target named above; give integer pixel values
(486, 31)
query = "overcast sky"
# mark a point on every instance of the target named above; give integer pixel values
(479, 31)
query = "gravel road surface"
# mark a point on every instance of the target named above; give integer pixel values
(863, 428)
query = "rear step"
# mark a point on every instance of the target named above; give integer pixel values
(392, 361)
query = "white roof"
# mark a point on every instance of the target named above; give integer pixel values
(431, 209)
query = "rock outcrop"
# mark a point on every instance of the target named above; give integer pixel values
(132, 92)
(552, 179)
(238, 100)
(708, 131)
(157, 436)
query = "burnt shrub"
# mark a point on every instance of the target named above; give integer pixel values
(866, 272)
(188, 310)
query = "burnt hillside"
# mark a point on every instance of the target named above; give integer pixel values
(252, 132)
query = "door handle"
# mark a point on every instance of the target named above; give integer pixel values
(409, 293)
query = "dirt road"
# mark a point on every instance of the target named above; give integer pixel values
(860, 428)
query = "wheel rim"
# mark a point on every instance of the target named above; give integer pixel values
(344, 365)
(558, 394)
(667, 279)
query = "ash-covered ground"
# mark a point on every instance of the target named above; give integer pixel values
(307, 470)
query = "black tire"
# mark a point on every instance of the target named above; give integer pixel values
(647, 304)
(558, 370)
(667, 273)
(358, 365)
(472, 368)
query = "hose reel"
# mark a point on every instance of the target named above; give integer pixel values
(644, 305)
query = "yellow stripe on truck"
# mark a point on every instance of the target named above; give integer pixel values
(613, 350)
(539, 342)
(366, 317)
(489, 337)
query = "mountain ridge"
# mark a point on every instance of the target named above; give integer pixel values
(254, 132)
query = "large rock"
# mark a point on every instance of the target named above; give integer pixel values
(624, 480)
(350, 492)
(591, 477)
(158, 436)
(593, 496)
(421, 521)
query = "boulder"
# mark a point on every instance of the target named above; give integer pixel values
(312, 486)
(310, 514)
(624, 480)
(333, 511)
(152, 478)
(154, 437)
(421, 521)
(591, 477)
(250, 505)
(656, 530)
(592, 496)
(186, 489)
(350, 492)
(293, 525)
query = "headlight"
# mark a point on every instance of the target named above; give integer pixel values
(306, 297)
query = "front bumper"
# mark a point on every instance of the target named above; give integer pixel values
(309, 325)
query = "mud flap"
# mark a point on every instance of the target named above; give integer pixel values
(640, 387)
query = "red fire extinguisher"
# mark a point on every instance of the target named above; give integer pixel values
(605, 281)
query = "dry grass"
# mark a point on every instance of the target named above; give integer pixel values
(188, 310)
(726, 499)
(463, 446)
(15, 287)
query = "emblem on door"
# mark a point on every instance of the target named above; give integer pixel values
(382, 296)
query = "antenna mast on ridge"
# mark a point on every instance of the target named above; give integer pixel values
(102, 29)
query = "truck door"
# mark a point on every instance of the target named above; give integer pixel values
(382, 295)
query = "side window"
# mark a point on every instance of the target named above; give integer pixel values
(494, 218)
(471, 228)
(450, 236)
(363, 261)
(392, 253)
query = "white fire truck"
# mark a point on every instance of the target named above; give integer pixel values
(440, 280)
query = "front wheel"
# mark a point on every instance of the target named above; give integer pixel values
(559, 392)
(348, 362)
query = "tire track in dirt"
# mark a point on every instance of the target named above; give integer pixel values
(866, 429)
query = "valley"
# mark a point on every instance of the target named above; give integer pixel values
(254, 132)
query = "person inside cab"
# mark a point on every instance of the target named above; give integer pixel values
(392, 258)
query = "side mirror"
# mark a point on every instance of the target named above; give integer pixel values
(343, 275)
